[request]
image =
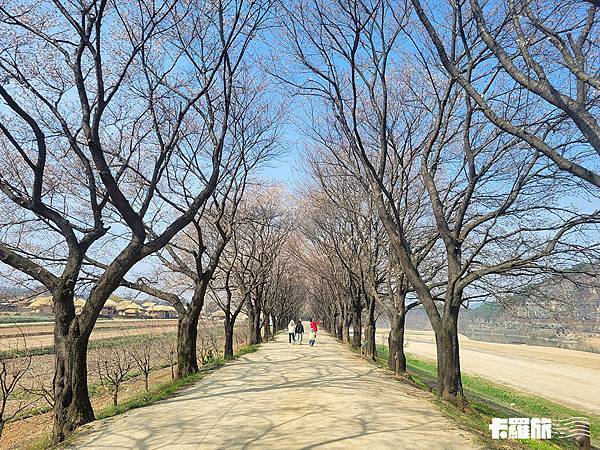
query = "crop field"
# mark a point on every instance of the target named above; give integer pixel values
(39, 335)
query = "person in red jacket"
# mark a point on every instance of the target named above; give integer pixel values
(313, 325)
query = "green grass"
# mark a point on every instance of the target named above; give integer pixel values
(246, 349)
(122, 341)
(25, 319)
(488, 399)
(18, 353)
(42, 444)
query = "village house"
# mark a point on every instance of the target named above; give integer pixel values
(109, 309)
(79, 304)
(129, 310)
(42, 305)
(161, 312)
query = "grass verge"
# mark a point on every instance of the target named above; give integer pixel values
(14, 319)
(488, 399)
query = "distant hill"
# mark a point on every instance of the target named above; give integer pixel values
(561, 311)
(12, 291)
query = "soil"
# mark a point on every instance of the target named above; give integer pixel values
(40, 335)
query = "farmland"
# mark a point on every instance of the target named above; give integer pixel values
(39, 335)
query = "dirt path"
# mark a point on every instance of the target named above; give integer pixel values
(287, 397)
(565, 376)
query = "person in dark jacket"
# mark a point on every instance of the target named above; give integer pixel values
(299, 332)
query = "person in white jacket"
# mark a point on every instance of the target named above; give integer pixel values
(291, 331)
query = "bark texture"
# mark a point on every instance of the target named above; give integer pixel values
(396, 357)
(72, 406)
(448, 361)
(228, 349)
(187, 334)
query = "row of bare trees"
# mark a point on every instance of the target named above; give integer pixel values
(232, 258)
(12, 371)
(131, 132)
(455, 152)
(257, 250)
(358, 278)
(117, 362)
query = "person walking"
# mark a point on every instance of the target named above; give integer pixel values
(312, 337)
(299, 332)
(313, 325)
(291, 330)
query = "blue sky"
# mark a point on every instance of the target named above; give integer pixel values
(282, 170)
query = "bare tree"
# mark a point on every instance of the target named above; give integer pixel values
(14, 365)
(38, 385)
(226, 296)
(113, 364)
(394, 299)
(143, 352)
(208, 339)
(168, 346)
(550, 52)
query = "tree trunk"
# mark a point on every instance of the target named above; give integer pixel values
(228, 350)
(268, 333)
(72, 406)
(251, 321)
(356, 327)
(274, 323)
(187, 329)
(336, 329)
(448, 359)
(187, 333)
(146, 381)
(255, 337)
(370, 332)
(115, 396)
(346, 327)
(397, 358)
